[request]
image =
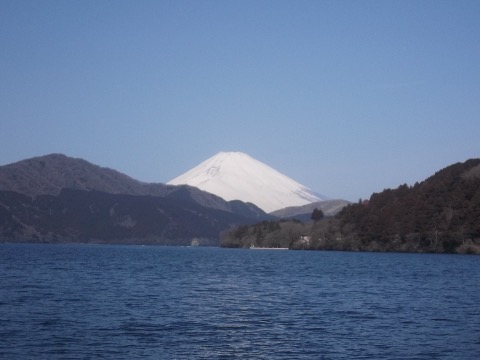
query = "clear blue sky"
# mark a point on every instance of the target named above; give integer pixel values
(346, 97)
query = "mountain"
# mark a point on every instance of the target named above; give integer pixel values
(440, 215)
(237, 176)
(100, 217)
(50, 174)
(55, 198)
(304, 212)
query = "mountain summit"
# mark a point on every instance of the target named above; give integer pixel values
(237, 176)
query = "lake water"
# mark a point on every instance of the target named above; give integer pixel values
(147, 302)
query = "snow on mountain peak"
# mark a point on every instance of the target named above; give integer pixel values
(237, 176)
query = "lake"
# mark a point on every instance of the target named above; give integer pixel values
(148, 302)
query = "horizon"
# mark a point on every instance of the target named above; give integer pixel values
(346, 98)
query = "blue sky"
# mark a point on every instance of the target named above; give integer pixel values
(345, 97)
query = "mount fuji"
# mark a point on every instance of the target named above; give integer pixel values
(237, 176)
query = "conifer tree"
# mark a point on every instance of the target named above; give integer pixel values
(317, 215)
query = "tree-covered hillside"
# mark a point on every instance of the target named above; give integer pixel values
(100, 217)
(440, 214)
(266, 234)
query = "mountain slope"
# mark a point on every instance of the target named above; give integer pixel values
(100, 217)
(55, 198)
(304, 212)
(440, 214)
(50, 174)
(237, 176)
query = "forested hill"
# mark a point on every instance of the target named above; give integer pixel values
(439, 214)
(56, 198)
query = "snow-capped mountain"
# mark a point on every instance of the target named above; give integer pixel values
(237, 176)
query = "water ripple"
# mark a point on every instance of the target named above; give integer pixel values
(128, 302)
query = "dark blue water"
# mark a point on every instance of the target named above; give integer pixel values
(133, 302)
